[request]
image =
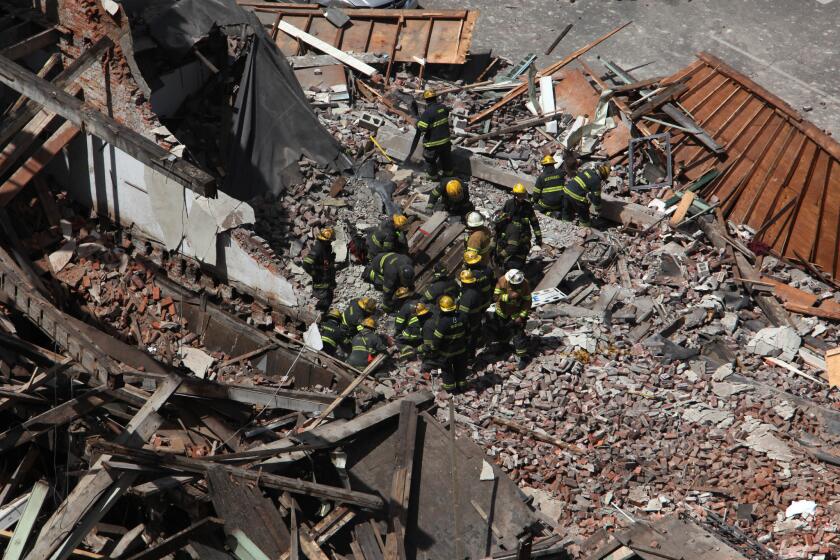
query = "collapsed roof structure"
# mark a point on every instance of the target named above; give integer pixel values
(163, 166)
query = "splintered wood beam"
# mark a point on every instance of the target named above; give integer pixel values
(398, 502)
(107, 129)
(24, 526)
(178, 540)
(36, 162)
(67, 77)
(99, 489)
(31, 44)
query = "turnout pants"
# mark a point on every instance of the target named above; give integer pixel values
(510, 331)
(576, 209)
(454, 370)
(437, 159)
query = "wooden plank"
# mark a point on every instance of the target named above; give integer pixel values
(126, 139)
(67, 77)
(398, 503)
(832, 361)
(561, 267)
(326, 48)
(97, 491)
(813, 311)
(522, 88)
(36, 162)
(178, 540)
(655, 102)
(788, 293)
(45, 38)
(371, 367)
(48, 66)
(21, 471)
(684, 206)
(129, 541)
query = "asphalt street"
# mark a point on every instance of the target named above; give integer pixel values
(791, 47)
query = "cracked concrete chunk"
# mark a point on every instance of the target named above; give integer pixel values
(196, 360)
(726, 390)
(775, 341)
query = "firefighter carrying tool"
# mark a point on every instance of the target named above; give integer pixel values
(320, 265)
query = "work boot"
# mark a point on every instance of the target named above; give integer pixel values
(523, 362)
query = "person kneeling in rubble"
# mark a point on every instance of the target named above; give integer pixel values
(513, 303)
(410, 332)
(389, 272)
(334, 335)
(548, 194)
(389, 237)
(581, 190)
(452, 196)
(366, 345)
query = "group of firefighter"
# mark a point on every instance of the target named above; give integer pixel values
(448, 322)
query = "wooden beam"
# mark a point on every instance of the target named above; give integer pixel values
(326, 48)
(36, 162)
(69, 76)
(21, 470)
(398, 502)
(277, 482)
(23, 528)
(98, 490)
(31, 44)
(84, 116)
(522, 88)
(51, 62)
(560, 268)
(371, 367)
(670, 93)
(178, 540)
(64, 413)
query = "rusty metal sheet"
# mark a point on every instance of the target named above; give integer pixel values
(436, 36)
(774, 157)
(574, 94)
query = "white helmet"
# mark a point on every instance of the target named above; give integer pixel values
(475, 220)
(514, 276)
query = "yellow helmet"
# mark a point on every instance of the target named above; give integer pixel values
(471, 256)
(367, 304)
(334, 313)
(400, 221)
(548, 160)
(369, 322)
(604, 170)
(467, 276)
(326, 234)
(402, 292)
(453, 188)
(446, 303)
(421, 309)
(519, 189)
(429, 94)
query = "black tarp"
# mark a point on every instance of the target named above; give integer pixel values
(273, 123)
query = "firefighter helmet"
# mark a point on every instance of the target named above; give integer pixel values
(369, 322)
(402, 292)
(368, 304)
(334, 313)
(548, 159)
(514, 276)
(519, 190)
(429, 94)
(467, 276)
(475, 220)
(604, 170)
(400, 221)
(421, 309)
(453, 188)
(326, 234)
(471, 256)
(446, 304)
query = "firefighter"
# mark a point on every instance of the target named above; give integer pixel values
(513, 246)
(320, 265)
(452, 196)
(441, 285)
(548, 192)
(410, 336)
(513, 302)
(478, 236)
(437, 147)
(333, 332)
(407, 301)
(355, 313)
(484, 278)
(581, 190)
(389, 272)
(471, 306)
(448, 345)
(366, 345)
(388, 237)
(519, 209)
